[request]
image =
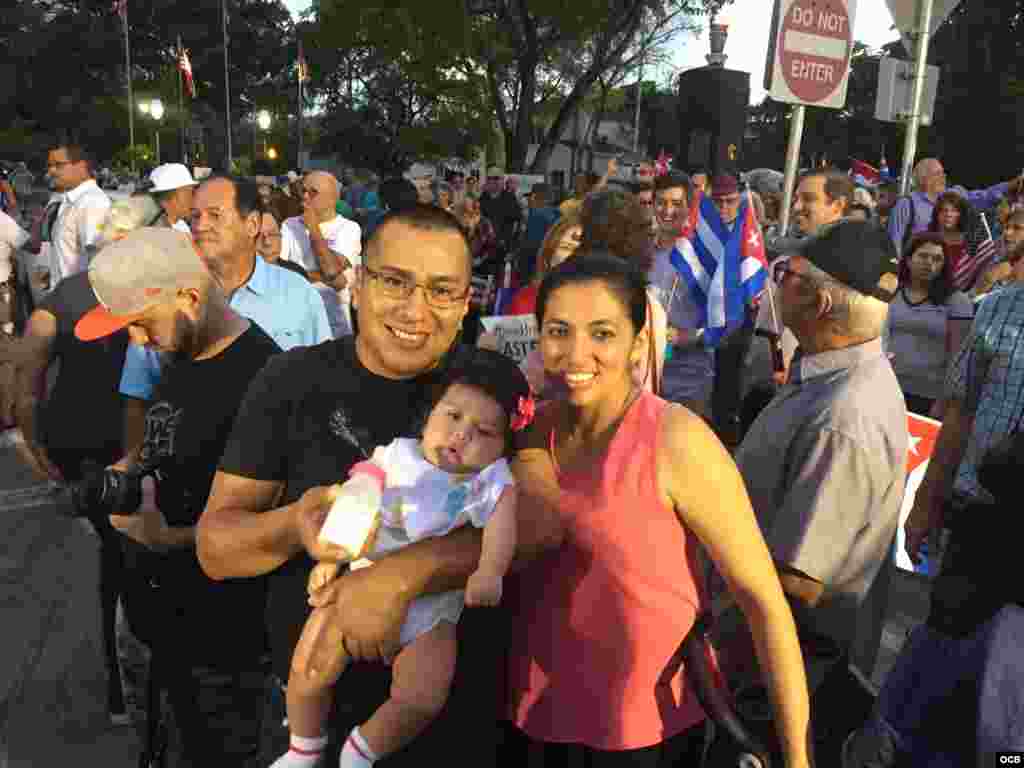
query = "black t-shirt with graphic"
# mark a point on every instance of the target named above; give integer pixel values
(308, 417)
(187, 426)
(83, 417)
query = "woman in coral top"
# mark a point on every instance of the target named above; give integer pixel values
(594, 666)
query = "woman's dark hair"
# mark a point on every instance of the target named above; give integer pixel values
(967, 212)
(493, 375)
(941, 286)
(621, 277)
(614, 221)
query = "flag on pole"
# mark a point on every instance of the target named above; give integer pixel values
(120, 7)
(185, 67)
(725, 271)
(979, 252)
(303, 66)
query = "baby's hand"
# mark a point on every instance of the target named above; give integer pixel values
(483, 589)
(322, 575)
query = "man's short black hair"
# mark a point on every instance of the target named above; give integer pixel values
(424, 217)
(247, 193)
(77, 153)
(837, 184)
(398, 193)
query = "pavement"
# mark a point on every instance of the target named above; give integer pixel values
(52, 677)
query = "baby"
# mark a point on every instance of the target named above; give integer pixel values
(455, 474)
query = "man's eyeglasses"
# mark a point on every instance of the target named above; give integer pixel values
(309, 191)
(400, 287)
(269, 235)
(59, 164)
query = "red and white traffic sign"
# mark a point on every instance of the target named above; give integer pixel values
(813, 41)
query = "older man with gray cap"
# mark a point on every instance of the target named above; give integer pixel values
(825, 461)
(206, 637)
(172, 187)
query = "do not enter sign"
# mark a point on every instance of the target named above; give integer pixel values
(812, 43)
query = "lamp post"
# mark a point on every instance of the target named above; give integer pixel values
(264, 120)
(154, 109)
(719, 34)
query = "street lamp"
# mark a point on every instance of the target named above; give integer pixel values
(154, 109)
(272, 153)
(263, 119)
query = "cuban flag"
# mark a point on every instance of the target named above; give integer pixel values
(725, 272)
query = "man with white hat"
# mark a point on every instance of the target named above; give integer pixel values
(206, 637)
(172, 188)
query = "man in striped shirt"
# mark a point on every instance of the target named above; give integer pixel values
(915, 211)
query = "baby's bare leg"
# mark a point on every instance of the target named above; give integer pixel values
(309, 690)
(421, 678)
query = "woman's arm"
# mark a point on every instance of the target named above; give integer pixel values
(701, 482)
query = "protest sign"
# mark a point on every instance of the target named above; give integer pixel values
(516, 334)
(923, 433)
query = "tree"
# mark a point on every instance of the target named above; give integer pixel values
(81, 94)
(384, 111)
(525, 54)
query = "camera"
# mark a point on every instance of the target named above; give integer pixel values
(102, 490)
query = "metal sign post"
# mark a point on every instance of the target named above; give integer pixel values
(922, 36)
(796, 134)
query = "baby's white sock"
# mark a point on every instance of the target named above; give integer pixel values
(357, 753)
(303, 753)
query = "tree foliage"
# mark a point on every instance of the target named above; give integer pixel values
(513, 59)
(65, 64)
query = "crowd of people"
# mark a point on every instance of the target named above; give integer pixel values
(550, 533)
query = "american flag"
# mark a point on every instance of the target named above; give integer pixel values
(725, 270)
(979, 252)
(120, 7)
(185, 66)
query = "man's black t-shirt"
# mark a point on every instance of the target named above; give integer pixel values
(186, 428)
(308, 417)
(83, 417)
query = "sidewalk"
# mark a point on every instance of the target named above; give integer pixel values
(52, 677)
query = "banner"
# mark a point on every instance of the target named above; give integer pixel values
(517, 334)
(923, 434)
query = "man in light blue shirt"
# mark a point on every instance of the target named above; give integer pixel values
(225, 222)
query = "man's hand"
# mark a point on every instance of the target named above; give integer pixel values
(359, 615)
(148, 526)
(925, 516)
(310, 513)
(613, 166)
(483, 589)
(1016, 185)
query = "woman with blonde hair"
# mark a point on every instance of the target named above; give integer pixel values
(559, 244)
